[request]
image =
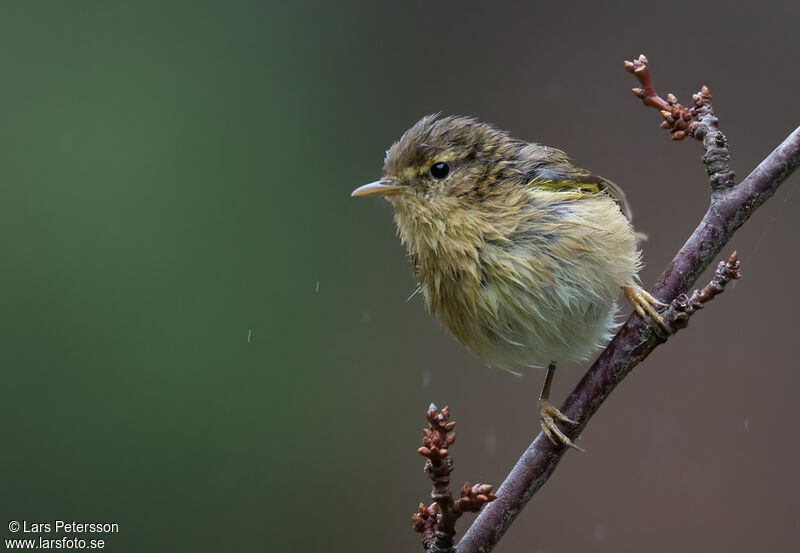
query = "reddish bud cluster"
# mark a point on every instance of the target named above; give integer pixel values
(437, 522)
(679, 120)
(473, 498)
(438, 437)
(425, 522)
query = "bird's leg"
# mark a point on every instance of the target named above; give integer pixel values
(548, 413)
(645, 305)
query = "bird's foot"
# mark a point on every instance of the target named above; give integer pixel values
(645, 305)
(548, 414)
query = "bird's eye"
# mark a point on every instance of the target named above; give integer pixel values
(440, 170)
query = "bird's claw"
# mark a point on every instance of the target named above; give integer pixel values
(548, 414)
(645, 306)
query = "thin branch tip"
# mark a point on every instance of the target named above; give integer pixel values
(698, 122)
(684, 306)
(437, 522)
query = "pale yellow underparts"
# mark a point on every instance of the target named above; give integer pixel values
(519, 253)
(550, 298)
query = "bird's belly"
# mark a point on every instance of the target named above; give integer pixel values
(509, 326)
(545, 292)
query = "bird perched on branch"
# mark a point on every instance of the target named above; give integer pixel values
(519, 253)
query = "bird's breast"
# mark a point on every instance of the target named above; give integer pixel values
(528, 286)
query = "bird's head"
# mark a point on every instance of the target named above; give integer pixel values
(443, 164)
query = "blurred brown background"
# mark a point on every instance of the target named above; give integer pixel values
(207, 341)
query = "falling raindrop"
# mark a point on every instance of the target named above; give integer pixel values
(426, 379)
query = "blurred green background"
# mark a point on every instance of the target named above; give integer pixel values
(205, 340)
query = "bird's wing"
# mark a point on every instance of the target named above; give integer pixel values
(555, 171)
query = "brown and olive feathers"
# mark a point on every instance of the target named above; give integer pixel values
(519, 253)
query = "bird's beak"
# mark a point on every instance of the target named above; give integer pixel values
(383, 187)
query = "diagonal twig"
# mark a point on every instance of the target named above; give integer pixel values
(684, 306)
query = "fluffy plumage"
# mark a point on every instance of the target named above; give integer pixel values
(519, 253)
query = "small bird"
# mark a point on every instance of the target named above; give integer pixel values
(519, 253)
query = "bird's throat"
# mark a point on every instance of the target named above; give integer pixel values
(445, 251)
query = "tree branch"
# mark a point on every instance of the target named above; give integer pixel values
(731, 205)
